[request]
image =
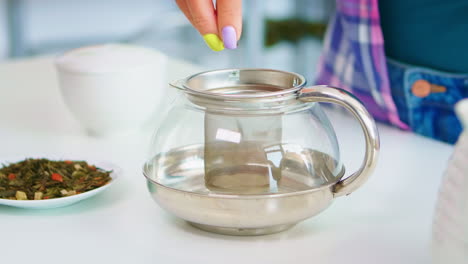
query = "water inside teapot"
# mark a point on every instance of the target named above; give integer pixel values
(253, 167)
(287, 168)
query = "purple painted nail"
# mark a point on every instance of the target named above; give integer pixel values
(229, 37)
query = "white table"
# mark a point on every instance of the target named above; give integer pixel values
(388, 220)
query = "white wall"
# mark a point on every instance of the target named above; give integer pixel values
(3, 33)
(51, 21)
(70, 19)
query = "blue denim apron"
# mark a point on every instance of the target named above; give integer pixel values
(433, 115)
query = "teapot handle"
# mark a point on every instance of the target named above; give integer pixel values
(323, 93)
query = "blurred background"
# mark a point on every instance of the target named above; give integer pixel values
(279, 34)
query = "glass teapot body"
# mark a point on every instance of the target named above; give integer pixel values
(251, 131)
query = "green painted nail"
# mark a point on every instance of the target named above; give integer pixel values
(214, 42)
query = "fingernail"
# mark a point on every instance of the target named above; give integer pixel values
(213, 41)
(229, 37)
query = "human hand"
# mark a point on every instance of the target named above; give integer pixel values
(224, 21)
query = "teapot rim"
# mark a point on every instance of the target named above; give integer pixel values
(298, 82)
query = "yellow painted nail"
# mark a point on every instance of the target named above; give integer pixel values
(214, 42)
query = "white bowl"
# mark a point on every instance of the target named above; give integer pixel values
(112, 88)
(69, 200)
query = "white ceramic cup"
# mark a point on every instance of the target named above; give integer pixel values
(112, 88)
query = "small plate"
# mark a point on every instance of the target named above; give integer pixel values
(65, 201)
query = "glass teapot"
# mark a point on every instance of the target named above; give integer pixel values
(255, 131)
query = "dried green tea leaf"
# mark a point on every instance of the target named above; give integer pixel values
(36, 179)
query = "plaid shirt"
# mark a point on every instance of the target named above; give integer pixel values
(354, 59)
